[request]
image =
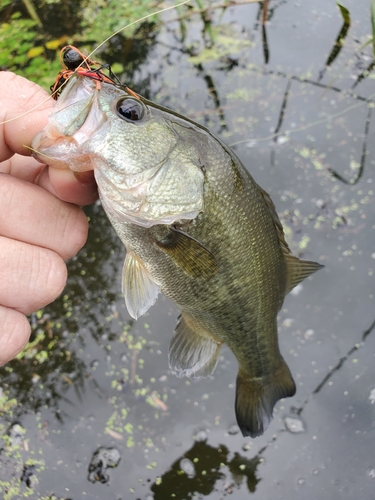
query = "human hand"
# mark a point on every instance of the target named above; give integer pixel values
(41, 225)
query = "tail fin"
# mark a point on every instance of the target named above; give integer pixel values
(255, 398)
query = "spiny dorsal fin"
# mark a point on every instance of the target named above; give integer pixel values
(192, 352)
(189, 254)
(297, 270)
(139, 290)
(278, 226)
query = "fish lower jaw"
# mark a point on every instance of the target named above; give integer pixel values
(62, 154)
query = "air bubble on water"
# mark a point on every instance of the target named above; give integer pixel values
(94, 364)
(371, 473)
(201, 436)
(297, 289)
(372, 396)
(124, 358)
(282, 139)
(300, 481)
(188, 467)
(287, 323)
(294, 425)
(373, 255)
(309, 333)
(247, 446)
(233, 430)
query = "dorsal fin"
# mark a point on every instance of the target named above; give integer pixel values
(297, 270)
(276, 221)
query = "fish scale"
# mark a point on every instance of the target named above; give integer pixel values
(196, 226)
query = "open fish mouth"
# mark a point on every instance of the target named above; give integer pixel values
(76, 118)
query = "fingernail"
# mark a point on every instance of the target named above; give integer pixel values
(85, 177)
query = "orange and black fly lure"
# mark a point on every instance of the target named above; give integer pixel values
(74, 61)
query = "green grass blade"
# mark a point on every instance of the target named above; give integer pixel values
(345, 13)
(373, 24)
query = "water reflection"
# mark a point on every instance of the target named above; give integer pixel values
(51, 364)
(204, 469)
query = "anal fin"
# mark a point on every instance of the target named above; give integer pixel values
(139, 290)
(191, 352)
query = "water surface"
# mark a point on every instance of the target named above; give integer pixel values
(302, 124)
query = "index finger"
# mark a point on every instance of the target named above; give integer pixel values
(24, 111)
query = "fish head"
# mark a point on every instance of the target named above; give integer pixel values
(145, 160)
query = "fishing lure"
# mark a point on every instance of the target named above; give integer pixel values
(75, 61)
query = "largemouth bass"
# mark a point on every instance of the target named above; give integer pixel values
(196, 226)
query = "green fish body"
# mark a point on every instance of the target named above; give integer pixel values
(196, 226)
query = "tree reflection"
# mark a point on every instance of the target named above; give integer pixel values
(208, 466)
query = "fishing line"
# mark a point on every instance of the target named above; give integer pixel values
(305, 127)
(93, 52)
(36, 151)
(116, 33)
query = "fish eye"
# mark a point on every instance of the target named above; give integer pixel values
(72, 58)
(130, 109)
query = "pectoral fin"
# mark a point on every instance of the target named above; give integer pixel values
(138, 288)
(189, 254)
(298, 270)
(191, 352)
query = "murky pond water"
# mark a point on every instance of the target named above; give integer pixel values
(94, 381)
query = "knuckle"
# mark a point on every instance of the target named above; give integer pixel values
(7, 193)
(31, 276)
